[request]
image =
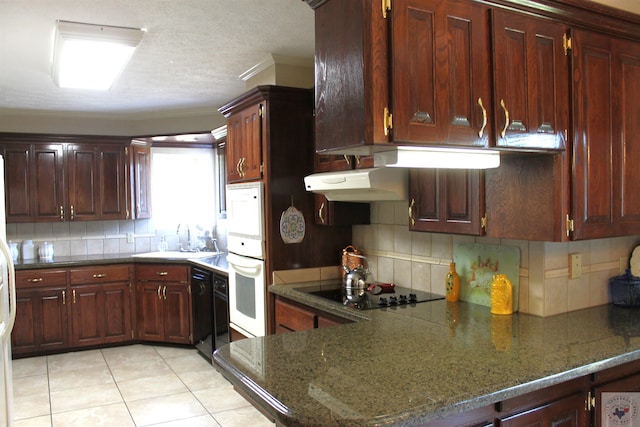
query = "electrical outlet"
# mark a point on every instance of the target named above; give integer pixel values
(624, 264)
(129, 237)
(575, 265)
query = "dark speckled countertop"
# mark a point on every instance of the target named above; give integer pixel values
(217, 263)
(411, 365)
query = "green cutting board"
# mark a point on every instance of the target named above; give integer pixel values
(477, 263)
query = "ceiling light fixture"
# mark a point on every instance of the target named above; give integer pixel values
(88, 56)
(437, 157)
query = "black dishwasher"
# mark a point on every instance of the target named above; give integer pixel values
(201, 302)
(220, 311)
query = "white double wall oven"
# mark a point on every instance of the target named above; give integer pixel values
(246, 246)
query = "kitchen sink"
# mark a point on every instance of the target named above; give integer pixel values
(176, 255)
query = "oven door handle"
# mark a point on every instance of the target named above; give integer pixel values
(246, 266)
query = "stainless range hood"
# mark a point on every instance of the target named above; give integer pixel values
(360, 185)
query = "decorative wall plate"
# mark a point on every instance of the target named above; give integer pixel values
(292, 226)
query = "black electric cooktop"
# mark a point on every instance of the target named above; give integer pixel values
(374, 297)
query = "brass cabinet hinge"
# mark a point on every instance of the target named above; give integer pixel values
(261, 111)
(189, 289)
(569, 225)
(132, 334)
(126, 151)
(386, 7)
(566, 43)
(483, 222)
(590, 403)
(261, 168)
(387, 122)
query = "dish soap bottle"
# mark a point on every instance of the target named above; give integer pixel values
(453, 283)
(501, 295)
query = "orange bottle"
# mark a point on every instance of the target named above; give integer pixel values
(453, 284)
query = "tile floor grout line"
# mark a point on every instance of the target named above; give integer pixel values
(119, 390)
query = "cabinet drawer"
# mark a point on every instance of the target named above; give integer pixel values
(40, 278)
(293, 318)
(99, 274)
(162, 273)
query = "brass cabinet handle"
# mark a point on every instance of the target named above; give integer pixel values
(64, 297)
(506, 118)
(411, 217)
(347, 159)
(238, 166)
(484, 118)
(321, 213)
(99, 276)
(164, 292)
(159, 289)
(61, 213)
(35, 280)
(162, 273)
(72, 212)
(74, 295)
(242, 172)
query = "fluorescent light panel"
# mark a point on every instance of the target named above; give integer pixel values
(437, 157)
(88, 56)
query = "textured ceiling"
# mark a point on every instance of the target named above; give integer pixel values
(189, 59)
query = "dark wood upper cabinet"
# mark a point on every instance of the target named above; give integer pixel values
(244, 145)
(446, 201)
(441, 89)
(64, 181)
(606, 151)
(140, 181)
(531, 69)
(34, 182)
(96, 182)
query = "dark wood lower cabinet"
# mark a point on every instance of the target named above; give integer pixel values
(164, 303)
(567, 412)
(41, 320)
(291, 317)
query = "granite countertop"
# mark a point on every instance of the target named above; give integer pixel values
(216, 263)
(410, 365)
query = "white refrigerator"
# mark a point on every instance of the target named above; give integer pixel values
(7, 313)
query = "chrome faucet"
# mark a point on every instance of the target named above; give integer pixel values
(182, 248)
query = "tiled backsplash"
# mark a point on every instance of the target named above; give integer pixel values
(421, 260)
(97, 237)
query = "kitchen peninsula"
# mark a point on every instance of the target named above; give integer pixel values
(436, 364)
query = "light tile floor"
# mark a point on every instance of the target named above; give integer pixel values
(137, 385)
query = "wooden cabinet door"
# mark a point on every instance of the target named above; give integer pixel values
(244, 145)
(176, 301)
(606, 75)
(100, 314)
(34, 182)
(446, 200)
(87, 307)
(41, 320)
(567, 412)
(531, 104)
(440, 73)
(83, 182)
(141, 185)
(594, 142)
(112, 182)
(149, 311)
